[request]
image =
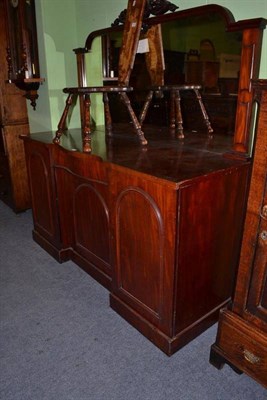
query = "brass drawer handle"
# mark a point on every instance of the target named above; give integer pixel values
(264, 212)
(263, 235)
(250, 357)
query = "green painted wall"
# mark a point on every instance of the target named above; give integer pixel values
(57, 36)
(64, 25)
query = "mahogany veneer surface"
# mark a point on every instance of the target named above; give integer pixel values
(165, 157)
(159, 226)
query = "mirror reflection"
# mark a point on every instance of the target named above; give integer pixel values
(197, 50)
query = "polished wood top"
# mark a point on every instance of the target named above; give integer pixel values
(164, 157)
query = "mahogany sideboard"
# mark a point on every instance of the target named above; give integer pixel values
(242, 332)
(160, 227)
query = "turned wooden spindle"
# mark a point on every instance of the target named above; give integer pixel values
(62, 123)
(86, 128)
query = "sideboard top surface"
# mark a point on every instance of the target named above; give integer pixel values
(164, 157)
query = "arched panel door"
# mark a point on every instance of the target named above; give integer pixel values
(91, 224)
(44, 204)
(140, 242)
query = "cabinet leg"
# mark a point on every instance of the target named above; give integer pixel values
(218, 360)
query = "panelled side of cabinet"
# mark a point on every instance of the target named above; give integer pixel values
(207, 245)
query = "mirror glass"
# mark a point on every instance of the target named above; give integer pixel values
(197, 50)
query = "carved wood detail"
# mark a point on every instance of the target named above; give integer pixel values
(153, 7)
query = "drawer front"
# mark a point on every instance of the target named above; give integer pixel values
(243, 345)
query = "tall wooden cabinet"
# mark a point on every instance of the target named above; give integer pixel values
(13, 122)
(19, 78)
(242, 333)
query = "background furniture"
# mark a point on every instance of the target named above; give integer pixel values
(203, 68)
(242, 332)
(204, 73)
(19, 78)
(22, 49)
(220, 108)
(14, 189)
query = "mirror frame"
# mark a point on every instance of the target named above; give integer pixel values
(252, 34)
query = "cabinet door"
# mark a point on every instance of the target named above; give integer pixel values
(43, 194)
(143, 225)
(82, 191)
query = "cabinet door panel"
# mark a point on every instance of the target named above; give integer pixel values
(140, 248)
(143, 226)
(91, 223)
(42, 186)
(84, 216)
